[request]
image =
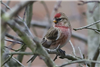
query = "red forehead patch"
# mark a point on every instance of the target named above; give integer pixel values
(57, 15)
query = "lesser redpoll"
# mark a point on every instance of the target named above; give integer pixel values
(59, 34)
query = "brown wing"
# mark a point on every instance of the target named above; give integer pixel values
(51, 36)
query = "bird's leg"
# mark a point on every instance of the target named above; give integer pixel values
(57, 54)
(55, 57)
(60, 53)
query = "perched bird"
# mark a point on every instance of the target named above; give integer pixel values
(59, 34)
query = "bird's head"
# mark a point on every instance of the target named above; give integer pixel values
(60, 19)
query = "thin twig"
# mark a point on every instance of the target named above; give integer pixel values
(87, 26)
(7, 60)
(96, 30)
(85, 2)
(96, 55)
(9, 48)
(18, 62)
(47, 12)
(6, 5)
(24, 14)
(29, 14)
(18, 42)
(8, 15)
(72, 47)
(80, 52)
(32, 58)
(13, 37)
(79, 61)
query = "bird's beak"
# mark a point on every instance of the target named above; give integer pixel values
(55, 21)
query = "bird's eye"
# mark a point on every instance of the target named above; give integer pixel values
(58, 19)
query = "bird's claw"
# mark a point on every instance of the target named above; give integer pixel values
(61, 53)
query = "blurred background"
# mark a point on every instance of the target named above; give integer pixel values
(77, 17)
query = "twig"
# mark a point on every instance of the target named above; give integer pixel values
(14, 10)
(18, 42)
(14, 49)
(3, 31)
(13, 37)
(18, 62)
(6, 65)
(96, 30)
(32, 58)
(29, 14)
(72, 47)
(80, 52)
(47, 12)
(85, 2)
(24, 14)
(95, 6)
(9, 48)
(20, 53)
(7, 60)
(69, 57)
(6, 5)
(9, 8)
(86, 26)
(79, 61)
(96, 55)
(19, 7)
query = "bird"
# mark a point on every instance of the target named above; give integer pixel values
(59, 34)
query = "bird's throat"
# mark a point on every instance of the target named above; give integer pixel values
(61, 26)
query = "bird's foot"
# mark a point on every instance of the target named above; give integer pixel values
(61, 53)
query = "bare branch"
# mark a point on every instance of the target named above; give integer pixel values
(72, 47)
(80, 61)
(80, 52)
(13, 41)
(96, 55)
(13, 37)
(18, 62)
(14, 10)
(7, 60)
(86, 26)
(29, 14)
(2, 36)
